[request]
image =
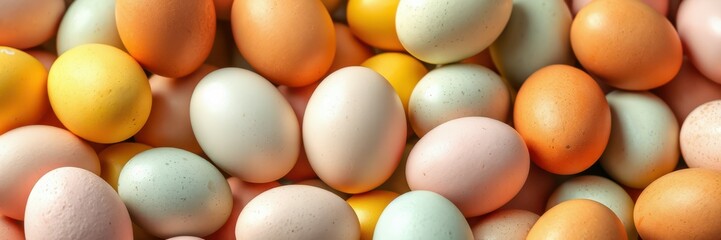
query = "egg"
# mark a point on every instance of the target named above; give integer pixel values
(454, 91)
(99, 93)
(28, 23)
(354, 130)
(644, 139)
(289, 43)
(676, 93)
(297, 212)
(242, 192)
(88, 21)
(368, 207)
(661, 6)
(442, 32)
(349, 50)
(298, 98)
(465, 159)
(505, 224)
(601, 190)
(10, 229)
(699, 137)
(374, 22)
(168, 124)
(23, 92)
(605, 30)
(422, 215)
(698, 23)
(680, 205)
(401, 70)
(170, 38)
(578, 219)
(71, 202)
(114, 158)
(172, 192)
(27, 153)
(244, 125)
(536, 36)
(535, 191)
(564, 118)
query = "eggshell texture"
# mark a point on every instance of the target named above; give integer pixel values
(505, 224)
(172, 192)
(644, 139)
(698, 26)
(455, 91)
(349, 50)
(700, 136)
(23, 89)
(27, 153)
(536, 36)
(464, 159)
(374, 22)
(422, 215)
(626, 43)
(99, 93)
(441, 32)
(601, 190)
(401, 70)
(564, 118)
(169, 122)
(242, 192)
(354, 130)
(289, 42)
(298, 99)
(88, 21)
(578, 219)
(297, 212)
(688, 90)
(114, 158)
(75, 203)
(368, 207)
(28, 23)
(680, 205)
(535, 191)
(661, 6)
(245, 125)
(10, 229)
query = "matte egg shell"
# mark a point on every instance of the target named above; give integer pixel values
(700, 137)
(28, 23)
(505, 224)
(88, 21)
(23, 89)
(698, 26)
(578, 219)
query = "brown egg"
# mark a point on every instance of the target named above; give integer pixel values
(28, 23)
(349, 50)
(505, 224)
(578, 219)
(626, 43)
(688, 90)
(564, 118)
(170, 38)
(288, 42)
(169, 121)
(681, 205)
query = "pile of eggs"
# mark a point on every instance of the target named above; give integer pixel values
(360, 119)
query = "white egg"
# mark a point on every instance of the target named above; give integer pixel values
(88, 21)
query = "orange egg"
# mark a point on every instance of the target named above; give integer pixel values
(28, 23)
(374, 22)
(114, 157)
(170, 38)
(578, 219)
(23, 89)
(349, 50)
(564, 118)
(368, 207)
(680, 205)
(288, 42)
(626, 43)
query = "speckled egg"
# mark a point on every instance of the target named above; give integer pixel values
(700, 137)
(504, 224)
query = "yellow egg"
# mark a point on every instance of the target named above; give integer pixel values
(401, 70)
(368, 207)
(374, 22)
(23, 96)
(114, 157)
(99, 93)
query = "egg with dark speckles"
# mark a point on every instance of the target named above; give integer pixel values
(700, 137)
(172, 192)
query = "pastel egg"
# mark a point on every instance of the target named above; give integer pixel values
(71, 202)
(464, 159)
(505, 224)
(23, 89)
(26, 24)
(354, 130)
(699, 138)
(697, 24)
(562, 222)
(88, 21)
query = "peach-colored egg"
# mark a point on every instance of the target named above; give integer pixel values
(680, 205)
(700, 136)
(72, 202)
(535, 191)
(698, 26)
(578, 219)
(297, 212)
(169, 122)
(10, 229)
(508, 224)
(688, 90)
(28, 23)
(661, 6)
(170, 38)
(288, 42)
(349, 50)
(28, 152)
(242, 192)
(477, 163)
(298, 99)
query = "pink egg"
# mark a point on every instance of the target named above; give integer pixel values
(699, 26)
(75, 203)
(507, 224)
(477, 163)
(242, 192)
(27, 153)
(700, 136)
(688, 90)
